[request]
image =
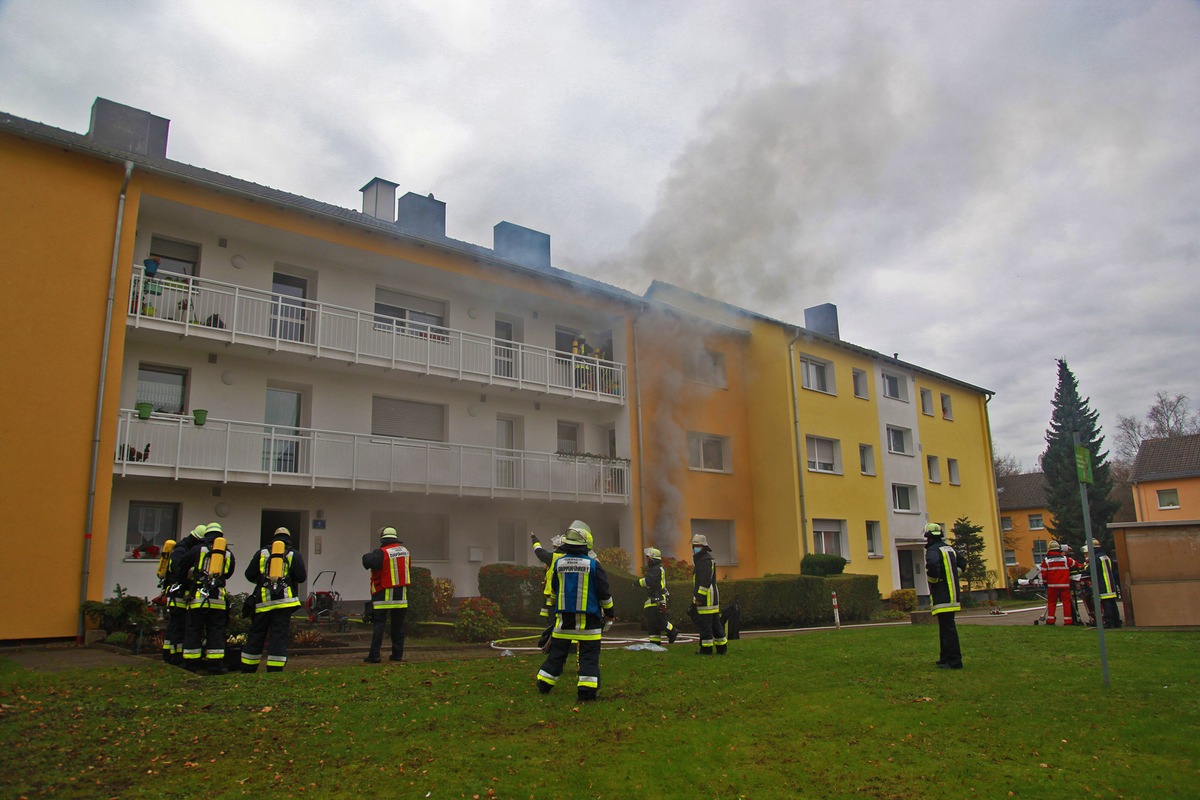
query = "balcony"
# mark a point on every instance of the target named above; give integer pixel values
(234, 314)
(230, 451)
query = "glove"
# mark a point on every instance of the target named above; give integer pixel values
(533, 538)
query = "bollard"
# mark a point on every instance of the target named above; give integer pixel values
(837, 618)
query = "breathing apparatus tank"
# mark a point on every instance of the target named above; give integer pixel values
(164, 560)
(216, 561)
(275, 562)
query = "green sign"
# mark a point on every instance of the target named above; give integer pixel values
(1083, 464)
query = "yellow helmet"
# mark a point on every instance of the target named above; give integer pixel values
(653, 553)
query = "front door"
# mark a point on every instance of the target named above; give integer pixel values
(904, 560)
(273, 518)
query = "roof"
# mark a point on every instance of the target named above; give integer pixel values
(188, 173)
(1021, 491)
(1165, 459)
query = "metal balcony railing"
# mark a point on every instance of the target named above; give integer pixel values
(230, 313)
(231, 451)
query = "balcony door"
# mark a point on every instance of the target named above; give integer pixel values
(504, 352)
(506, 457)
(288, 310)
(281, 448)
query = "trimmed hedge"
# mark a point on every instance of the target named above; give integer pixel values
(822, 564)
(420, 594)
(516, 588)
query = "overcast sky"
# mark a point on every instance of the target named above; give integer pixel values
(979, 187)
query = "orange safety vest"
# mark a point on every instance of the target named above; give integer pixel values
(395, 570)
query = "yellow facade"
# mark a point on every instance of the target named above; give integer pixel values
(1147, 504)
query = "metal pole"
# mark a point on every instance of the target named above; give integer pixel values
(837, 618)
(1091, 551)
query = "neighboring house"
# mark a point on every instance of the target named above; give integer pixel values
(1024, 517)
(1166, 479)
(186, 347)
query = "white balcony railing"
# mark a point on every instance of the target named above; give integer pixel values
(230, 313)
(230, 451)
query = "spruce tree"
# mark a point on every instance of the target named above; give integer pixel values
(1071, 415)
(969, 545)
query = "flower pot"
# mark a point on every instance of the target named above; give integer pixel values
(144, 410)
(199, 416)
(151, 265)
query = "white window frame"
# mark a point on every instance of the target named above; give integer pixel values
(410, 315)
(1040, 524)
(909, 492)
(952, 472)
(1039, 551)
(905, 439)
(927, 402)
(874, 539)
(165, 518)
(861, 384)
(824, 455)
(722, 539)
(933, 467)
(1006, 523)
(947, 407)
(901, 386)
(701, 449)
(1010, 558)
(1167, 494)
(180, 258)
(568, 444)
(817, 371)
(866, 459)
(141, 395)
(827, 531)
(707, 367)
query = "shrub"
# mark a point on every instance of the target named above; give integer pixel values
(822, 564)
(904, 600)
(613, 558)
(479, 620)
(420, 594)
(781, 601)
(443, 596)
(237, 624)
(892, 615)
(677, 569)
(119, 638)
(307, 637)
(121, 612)
(516, 588)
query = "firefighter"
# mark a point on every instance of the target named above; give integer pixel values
(276, 572)
(655, 608)
(390, 577)
(583, 609)
(941, 569)
(1106, 573)
(582, 357)
(1076, 584)
(706, 599)
(208, 566)
(1056, 572)
(175, 586)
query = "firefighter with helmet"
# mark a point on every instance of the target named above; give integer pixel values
(583, 607)
(208, 566)
(1056, 570)
(941, 569)
(706, 599)
(547, 557)
(390, 577)
(1106, 572)
(276, 571)
(175, 587)
(655, 608)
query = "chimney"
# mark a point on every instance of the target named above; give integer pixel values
(521, 245)
(129, 129)
(379, 198)
(822, 319)
(423, 216)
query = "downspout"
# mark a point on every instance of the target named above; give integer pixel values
(640, 446)
(799, 444)
(95, 467)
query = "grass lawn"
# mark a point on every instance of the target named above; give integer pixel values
(831, 714)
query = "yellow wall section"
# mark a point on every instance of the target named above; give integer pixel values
(59, 212)
(1145, 498)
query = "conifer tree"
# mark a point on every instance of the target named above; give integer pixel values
(1071, 415)
(969, 545)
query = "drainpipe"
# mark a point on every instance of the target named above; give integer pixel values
(641, 449)
(800, 455)
(108, 317)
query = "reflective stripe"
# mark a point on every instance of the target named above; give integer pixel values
(590, 681)
(952, 603)
(546, 677)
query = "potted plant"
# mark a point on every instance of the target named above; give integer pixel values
(199, 415)
(144, 410)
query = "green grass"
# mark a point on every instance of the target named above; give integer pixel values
(835, 714)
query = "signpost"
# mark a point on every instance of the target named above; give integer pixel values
(1083, 470)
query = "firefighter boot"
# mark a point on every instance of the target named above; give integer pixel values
(585, 695)
(722, 649)
(672, 634)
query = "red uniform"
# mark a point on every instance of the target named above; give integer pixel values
(1056, 571)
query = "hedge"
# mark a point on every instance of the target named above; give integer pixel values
(420, 594)
(516, 588)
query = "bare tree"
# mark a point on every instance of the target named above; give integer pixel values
(1168, 416)
(1005, 465)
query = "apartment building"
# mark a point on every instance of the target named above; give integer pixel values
(272, 360)
(1024, 516)
(1166, 479)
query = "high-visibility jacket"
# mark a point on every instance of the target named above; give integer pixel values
(941, 570)
(1056, 570)
(705, 594)
(390, 576)
(580, 589)
(655, 584)
(1104, 571)
(207, 591)
(176, 578)
(268, 596)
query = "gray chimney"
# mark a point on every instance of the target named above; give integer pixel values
(129, 129)
(379, 198)
(521, 245)
(822, 319)
(422, 215)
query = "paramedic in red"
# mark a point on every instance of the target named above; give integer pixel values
(389, 565)
(1056, 572)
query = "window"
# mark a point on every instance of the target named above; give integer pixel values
(927, 402)
(149, 527)
(1168, 498)
(174, 257)
(289, 311)
(1006, 523)
(1035, 522)
(282, 446)
(427, 536)
(904, 497)
(706, 366)
(874, 539)
(708, 452)
(935, 470)
(947, 407)
(827, 537)
(507, 540)
(569, 440)
(952, 470)
(1039, 551)
(860, 383)
(409, 314)
(721, 538)
(816, 374)
(408, 419)
(824, 455)
(866, 459)
(899, 440)
(162, 387)
(895, 386)
(1010, 558)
